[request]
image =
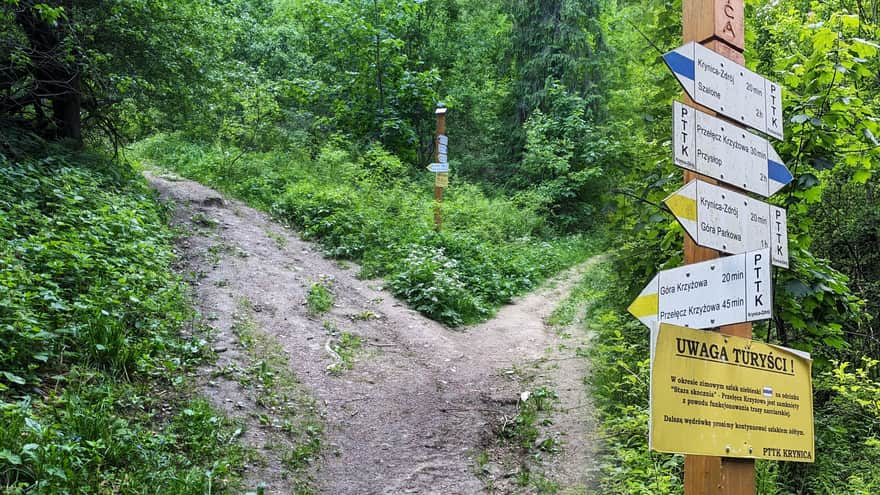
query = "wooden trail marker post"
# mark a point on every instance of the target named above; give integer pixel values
(719, 25)
(716, 397)
(441, 179)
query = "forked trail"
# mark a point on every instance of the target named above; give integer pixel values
(421, 407)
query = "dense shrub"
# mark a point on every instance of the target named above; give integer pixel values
(847, 409)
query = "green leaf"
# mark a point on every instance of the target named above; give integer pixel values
(797, 288)
(13, 378)
(835, 342)
(861, 176)
(807, 181)
(10, 457)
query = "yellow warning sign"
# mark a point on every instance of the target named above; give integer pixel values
(442, 179)
(718, 395)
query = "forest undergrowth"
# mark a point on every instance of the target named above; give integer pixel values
(322, 114)
(100, 344)
(372, 210)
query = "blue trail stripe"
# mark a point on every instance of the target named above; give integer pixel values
(680, 64)
(778, 172)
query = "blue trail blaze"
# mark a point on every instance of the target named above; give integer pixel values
(778, 172)
(680, 64)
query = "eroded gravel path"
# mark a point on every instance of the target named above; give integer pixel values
(422, 401)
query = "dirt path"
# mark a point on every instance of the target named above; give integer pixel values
(421, 409)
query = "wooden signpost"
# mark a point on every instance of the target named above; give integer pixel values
(720, 23)
(440, 165)
(721, 432)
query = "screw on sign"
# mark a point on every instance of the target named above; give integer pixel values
(718, 149)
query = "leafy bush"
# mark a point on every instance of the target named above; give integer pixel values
(431, 283)
(847, 410)
(619, 382)
(84, 272)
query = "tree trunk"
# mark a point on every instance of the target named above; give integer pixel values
(54, 79)
(66, 109)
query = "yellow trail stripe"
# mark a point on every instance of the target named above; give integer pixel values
(645, 306)
(683, 207)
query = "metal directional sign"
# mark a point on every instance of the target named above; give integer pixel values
(727, 87)
(438, 167)
(730, 222)
(442, 150)
(710, 146)
(723, 291)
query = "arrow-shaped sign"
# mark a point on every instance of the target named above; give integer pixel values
(730, 222)
(710, 146)
(727, 87)
(438, 167)
(723, 291)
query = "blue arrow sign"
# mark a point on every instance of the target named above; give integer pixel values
(728, 88)
(439, 167)
(724, 151)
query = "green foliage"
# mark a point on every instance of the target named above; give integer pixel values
(813, 303)
(490, 249)
(560, 160)
(296, 427)
(113, 68)
(847, 230)
(345, 348)
(430, 281)
(319, 299)
(522, 428)
(364, 77)
(828, 69)
(100, 433)
(560, 109)
(847, 434)
(619, 384)
(93, 366)
(85, 272)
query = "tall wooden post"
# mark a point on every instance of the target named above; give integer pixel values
(719, 25)
(438, 189)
